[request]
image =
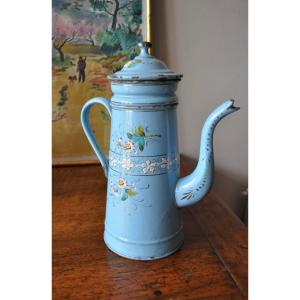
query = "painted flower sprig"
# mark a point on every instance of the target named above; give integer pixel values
(139, 137)
(124, 190)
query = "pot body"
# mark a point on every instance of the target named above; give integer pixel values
(142, 219)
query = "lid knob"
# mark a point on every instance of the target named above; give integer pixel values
(144, 47)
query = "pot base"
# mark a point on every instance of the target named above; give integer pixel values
(144, 251)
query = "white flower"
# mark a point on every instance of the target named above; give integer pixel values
(114, 188)
(119, 142)
(128, 146)
(113, 161)
(115, 191)
(122, 183)
(165, 163)
(148, 166)
(127, 164)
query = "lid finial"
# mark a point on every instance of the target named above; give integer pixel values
(144, 47)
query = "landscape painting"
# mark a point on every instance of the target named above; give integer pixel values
(90, 40)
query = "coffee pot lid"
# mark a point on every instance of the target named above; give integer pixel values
(145, 67)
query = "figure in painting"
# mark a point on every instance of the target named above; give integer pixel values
(81, 64)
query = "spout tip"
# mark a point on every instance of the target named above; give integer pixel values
(231, 106)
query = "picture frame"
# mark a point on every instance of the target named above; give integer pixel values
(89, 43)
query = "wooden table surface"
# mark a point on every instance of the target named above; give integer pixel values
(212, 263)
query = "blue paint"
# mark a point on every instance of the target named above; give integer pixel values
(144, 192)
(87, 129)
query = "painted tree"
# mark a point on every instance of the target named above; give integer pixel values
(63, 32)
(86, 32)
(113, 8)
(90, 31)
(132, 18)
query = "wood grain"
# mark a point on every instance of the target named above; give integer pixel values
(212, 264)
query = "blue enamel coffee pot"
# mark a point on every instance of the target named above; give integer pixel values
(144, 192)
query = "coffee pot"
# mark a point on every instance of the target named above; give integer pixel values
(145, 193)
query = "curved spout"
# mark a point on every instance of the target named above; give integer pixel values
(194, 187)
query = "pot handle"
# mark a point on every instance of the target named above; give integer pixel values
(88, 132)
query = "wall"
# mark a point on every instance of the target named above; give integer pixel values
(206, 40)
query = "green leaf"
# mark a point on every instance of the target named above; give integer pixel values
(129, 135)
(124, 197)
(142, 143)
(130, 192)
(141, 147)
(136, 138)
(139, 130)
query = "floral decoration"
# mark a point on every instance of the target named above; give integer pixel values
(127, 146)
(147, 167)
(123, 190)
(127, 164)
(139, 137)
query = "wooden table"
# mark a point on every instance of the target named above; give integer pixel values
(212, 263)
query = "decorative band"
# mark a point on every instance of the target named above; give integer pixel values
(137, 81)
(143, 106)
(152, 165)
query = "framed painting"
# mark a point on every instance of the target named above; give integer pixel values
(90, 40)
